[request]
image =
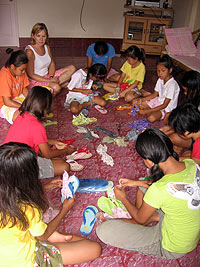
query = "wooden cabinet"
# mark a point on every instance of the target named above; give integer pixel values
(146, 30)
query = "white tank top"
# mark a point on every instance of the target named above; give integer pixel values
(41, 63)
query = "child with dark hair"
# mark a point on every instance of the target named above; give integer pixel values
(185, 121)
(102, 53)
(190, 93)
(191, 87)
(83, 92)
(129, 85)
(23, 233)
(28, 129)
(14, 84)
(158, 105)
(172, 200)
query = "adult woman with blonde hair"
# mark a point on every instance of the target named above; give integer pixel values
(41, 67)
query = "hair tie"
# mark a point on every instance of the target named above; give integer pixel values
(103, 75)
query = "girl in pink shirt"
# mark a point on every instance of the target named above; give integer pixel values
(28, 129)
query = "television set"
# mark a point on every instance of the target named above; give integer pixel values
(148, 3)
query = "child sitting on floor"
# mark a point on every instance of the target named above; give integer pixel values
(130, 82)
(28, 129)
(173, 200)
(185, 121)
(14, 84)
(25, 239)
(158, 105)
(81, 94)
(103, 53)
(190, 93)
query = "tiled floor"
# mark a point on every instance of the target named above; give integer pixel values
(126, 164)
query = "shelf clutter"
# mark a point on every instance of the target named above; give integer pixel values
(145, 27)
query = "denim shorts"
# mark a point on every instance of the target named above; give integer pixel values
(46, 169)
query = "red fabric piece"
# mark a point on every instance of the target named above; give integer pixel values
(124, 86)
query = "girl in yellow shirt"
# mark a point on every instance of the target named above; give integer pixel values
(130, 82)
(22, 231)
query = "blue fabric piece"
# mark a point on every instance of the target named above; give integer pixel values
(92, 182)
(100, 59)
(73, 187)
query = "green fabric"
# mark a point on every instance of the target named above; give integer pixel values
(178, 196)
(108, 204)
(119, 141)
(46, 255)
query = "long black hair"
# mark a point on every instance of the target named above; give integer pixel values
(98, 70)
(101, 48)
(184, 118)
(166, 61)
(39, 102)
(19, 185)
(156, 146)
(17, 58)
(191, 80)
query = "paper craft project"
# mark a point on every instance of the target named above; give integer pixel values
(102, 150)
(70, 186)
(139, 124)
(113, 207)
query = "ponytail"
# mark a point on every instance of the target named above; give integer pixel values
(156, 146)
(135, 52)
(98, 70)
(156, 173)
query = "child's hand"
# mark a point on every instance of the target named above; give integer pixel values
(60, 145)
(95, 87)
(68, 203)
(70, 149)
(119, 192)
(56, 183)
(134, 101)
(124, 182)
(122, 94)
(143, 112)
(87, 91)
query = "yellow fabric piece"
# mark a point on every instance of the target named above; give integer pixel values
(177, 196)
(17, 247)
(133, 74)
